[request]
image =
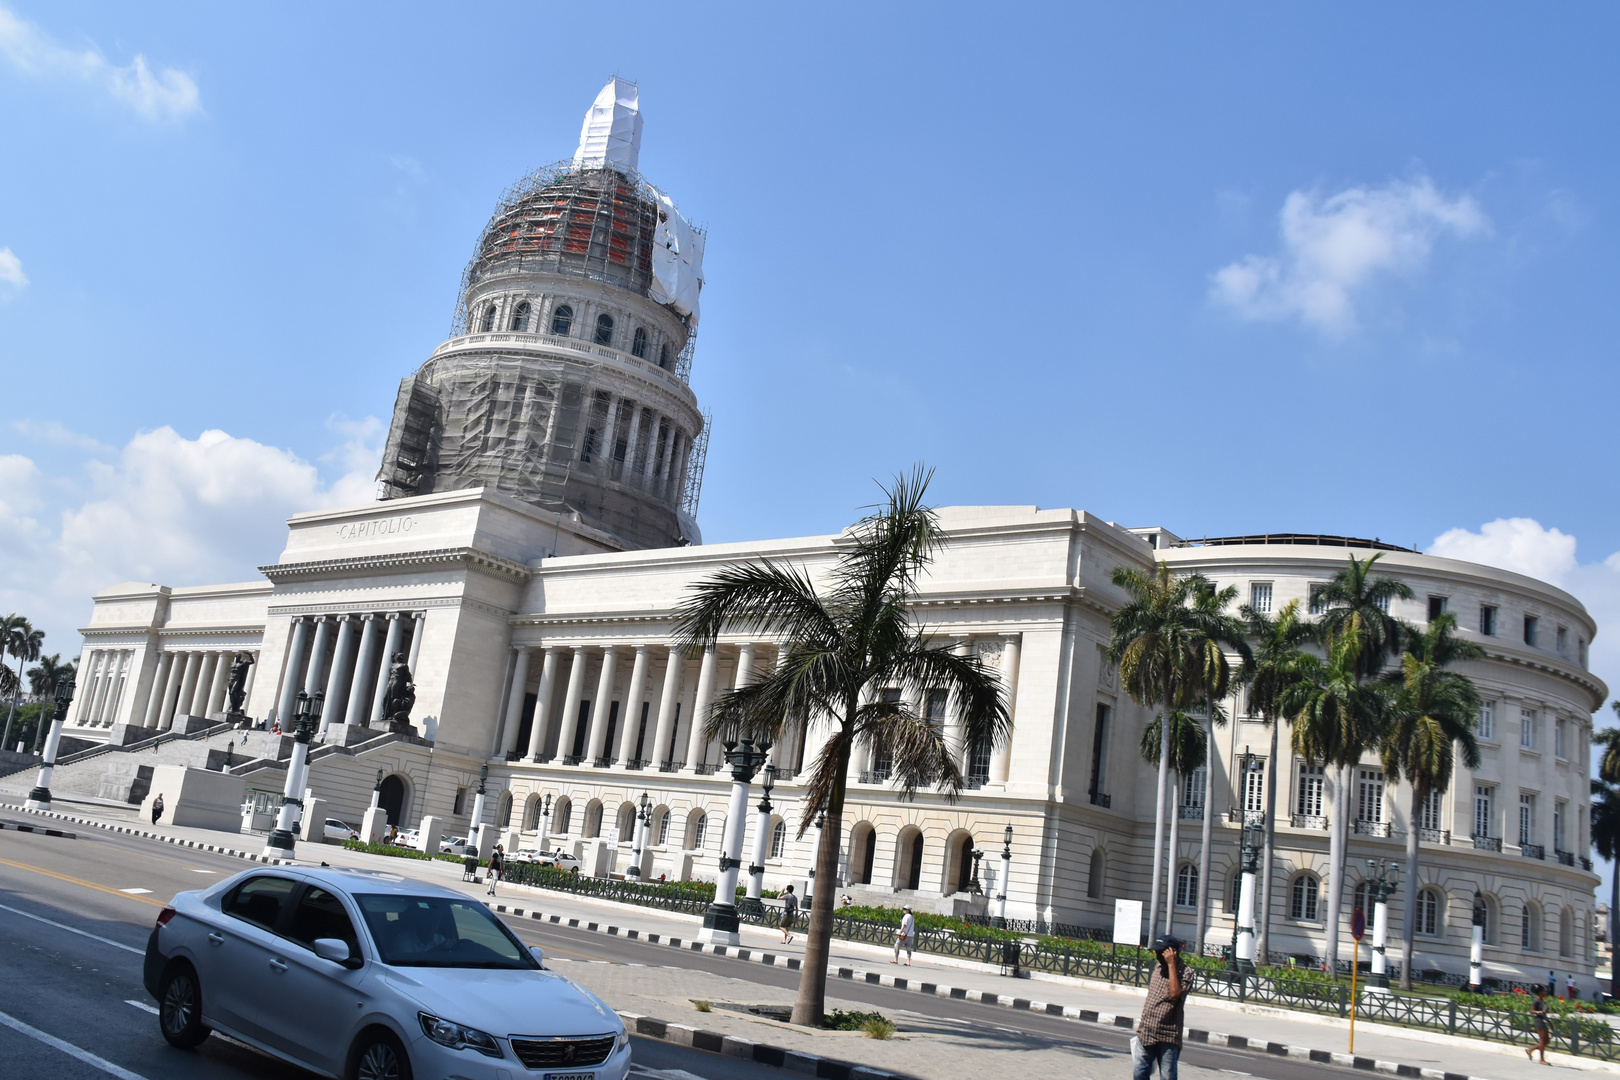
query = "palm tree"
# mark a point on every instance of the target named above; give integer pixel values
(1609, 765)
(43, 679)
(1433, 714)
(1158, 642)
(1278, 654)
(1336, 719)
(24, 643)
(841, 645)
(1606, 840)
(1189, 749)
(1215, 682)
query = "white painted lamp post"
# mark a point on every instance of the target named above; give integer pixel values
(1476, 950)
(545, 822)
(308, 710)
(762, 842)
(643, 820)
(1006, 876)
(720, 921)
(1243, 941)
(815, 857)
(376, 791)
(1383, 873)
(40, 797)
(478, 803)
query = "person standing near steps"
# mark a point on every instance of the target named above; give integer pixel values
(905, 937)
(1158, 1032)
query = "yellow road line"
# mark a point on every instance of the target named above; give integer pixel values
(109, 890)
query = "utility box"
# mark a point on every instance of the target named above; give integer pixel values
(313, 827)
(428, 835)
(374, 826)
(196, 798)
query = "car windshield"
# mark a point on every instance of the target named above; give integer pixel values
(440, 931)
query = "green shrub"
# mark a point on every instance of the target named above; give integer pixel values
(839, 1020)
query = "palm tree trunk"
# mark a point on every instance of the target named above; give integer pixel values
(1175, 834)
(1614, 906)
(1158, 818)
(5, 740)
(811, 1004)
(1335, 882)
(1203, 845)
(1409, 898)
(1264, 950)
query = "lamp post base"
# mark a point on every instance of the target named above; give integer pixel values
(279, 845)
(720, 925)
(39, 799)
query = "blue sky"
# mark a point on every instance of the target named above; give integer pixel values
(1225, 269)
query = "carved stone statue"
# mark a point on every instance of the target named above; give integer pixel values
(236, 689)
(399, 696)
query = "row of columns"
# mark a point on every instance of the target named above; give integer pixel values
(101, 686)
(352, 670)
(186, 683)
(654, 458)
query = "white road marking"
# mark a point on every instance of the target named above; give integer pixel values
(135, 892)
(147, 1007)
(69, 1049)
(74, 930)
(194, 870)
(1233, 1072)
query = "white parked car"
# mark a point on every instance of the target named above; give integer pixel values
(453, 845)
(337, 830)
(560, 859)
(408, 838)
(275, 957)
(526, 855)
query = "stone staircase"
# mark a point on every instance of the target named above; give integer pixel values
(124, 773)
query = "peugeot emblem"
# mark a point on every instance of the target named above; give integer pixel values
(568, 1053)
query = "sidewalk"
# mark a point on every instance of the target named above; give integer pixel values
(1433, 1054)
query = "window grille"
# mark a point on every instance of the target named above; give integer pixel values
(1527, 729)
(1254, 788)
(1482, 810)
(1370, 795)
(1302, 904)
(562, 321)
(778, 839)
(1187, 886)
(520, 318)
(638, 343)
(1260, 596)
(1428, 913)
(1527, 818)
(1487, 720)
(604, 330)
(1311, 781)
(1432, 810)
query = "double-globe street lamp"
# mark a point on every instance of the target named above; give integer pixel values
(643, 822)
(40, 797)
(1006, 872)
(545, 822)
(762, 839)
(1251, 841)
(720, 921)
(1381, 878)
(279, 845)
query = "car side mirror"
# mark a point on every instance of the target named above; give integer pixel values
(337, 951)
(539, 955)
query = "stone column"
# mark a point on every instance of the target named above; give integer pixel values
(608, 433)
(313, 682)
(630, 715)
(542, 703)
(90, 715)
(1000, 763)
(222, 683)
(198, 706)
(253, 673)
(570, 716)
(627, 473)
(341, 676)
(379, 698)
(289, 681)
(514, 700)
(602, 706)
(116, 672)
(955, 730)
(696, 743)
(419, 621)
(188, 687)
(654, 441)
(160, 689)
(359, 702)
(666, 708)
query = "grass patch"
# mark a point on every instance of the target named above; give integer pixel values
(703, 1006)
(868, 1022)
(879, 1028)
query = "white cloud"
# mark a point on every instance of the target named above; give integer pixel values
(167, 94)
(11, 271)
(1333, 247)
(55, 433)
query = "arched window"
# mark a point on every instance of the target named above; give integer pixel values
(1427, 916)
(663, 829)
(1234, 895)
(562, 818)
(489, 320)
(1566, 932)
(1493, 919)
(778, 839)
(862, 851)
(562, 321)
(503, 811)
(520, 318)
(1302, 899)
(663, 356)
(638, 343)
(604, 329)
(700, 828)
(1362, 898)
(964, 864)
(1530, 927)
(627, 823)
(593, 819)
(1094, 875)
(909, 855)
(1187, 886)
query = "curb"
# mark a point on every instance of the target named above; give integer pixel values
(16, 827)
(250, 856)
(765, 1054)
(982, 997)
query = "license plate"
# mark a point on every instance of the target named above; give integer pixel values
(570, 1076)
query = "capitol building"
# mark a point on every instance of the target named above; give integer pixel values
(536, 530)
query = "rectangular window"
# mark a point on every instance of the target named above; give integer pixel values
(1316, 604)
(1527, 729)
(1432, 810)
(1308, 802)
(1370, 795)
(1383, 603)
(1558, 738)
(1527, 818)
(1192, 788)
(1482, 810)
(1254, 787)
(935, 707)
(1558, 826)
(1487, 720)
(1260, 596)
(1099, 754)
(1487, 620)
(1580, 651)
(1530, 625)
(1437, 607)
(1563, 641)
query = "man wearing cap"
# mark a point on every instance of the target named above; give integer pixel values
(1158, 1032)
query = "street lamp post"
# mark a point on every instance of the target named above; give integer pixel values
(376, 791)
(1383, 873)
(40, 797)
(1006, 874)
(478, 802)
(545, 822)
(643, 820)
(1243, 943)
(279, 845)
(720, 921)
(762, 840)
(1476, 950)
(815, 857)
(976, 887)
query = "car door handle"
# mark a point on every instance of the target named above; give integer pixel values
(216, 938)
(277, 964)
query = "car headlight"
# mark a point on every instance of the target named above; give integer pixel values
(624, 1040)
(459, 1036)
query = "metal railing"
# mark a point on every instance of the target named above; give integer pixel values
(670, 766)
(874, 776)
(1372, 828)
(707, 769)
(1246, 817)
(1488, 843)
(604, 762)
(1192, 813)
(1102, 799)
(1435, 836)
(573, 759)
(637, 764)
(1565, 857)
(1309, 821)
(1532, 851)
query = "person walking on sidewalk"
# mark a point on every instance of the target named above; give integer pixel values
(790, 915)
(905, 938)
(157, 808)
(1538, 1021)
(497, 863)
(1158, 1033)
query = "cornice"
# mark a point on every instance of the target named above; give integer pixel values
(396, 562)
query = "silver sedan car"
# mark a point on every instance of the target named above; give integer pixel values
(371, 976)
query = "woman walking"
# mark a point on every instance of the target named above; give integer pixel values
(497, 863)
(790, 915)
(1538, 1018)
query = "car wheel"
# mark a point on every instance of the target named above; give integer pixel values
(379, 1056)
(180, 1007)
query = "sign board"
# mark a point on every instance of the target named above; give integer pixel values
(613, 836)
(1358, 924)
(1127, 922)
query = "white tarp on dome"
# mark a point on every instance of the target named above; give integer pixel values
(611, 135)
(677, 261)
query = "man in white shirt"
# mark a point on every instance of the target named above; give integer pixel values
(905, 937)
